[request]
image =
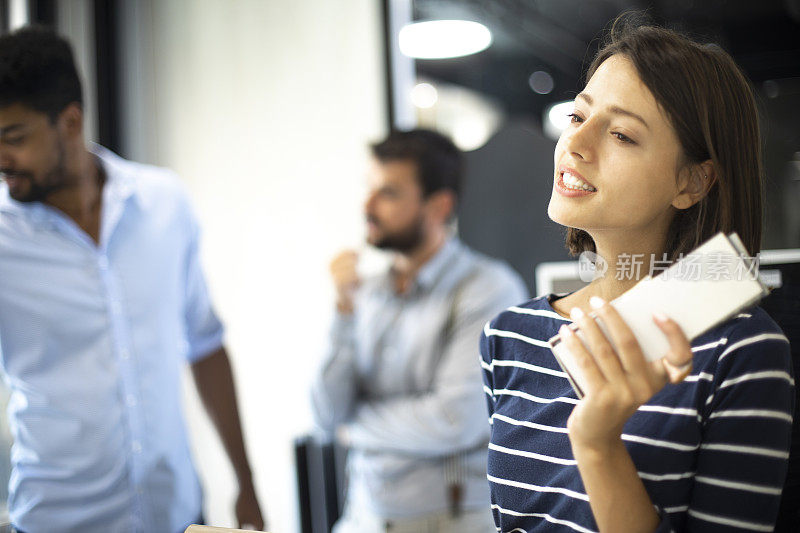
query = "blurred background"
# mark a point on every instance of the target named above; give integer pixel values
(265, 108)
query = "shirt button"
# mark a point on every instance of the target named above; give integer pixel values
(131, 399)
(102, 262)
(136, 446)
(115, 307)
(125, 354)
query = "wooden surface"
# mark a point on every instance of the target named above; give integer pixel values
(210, 529)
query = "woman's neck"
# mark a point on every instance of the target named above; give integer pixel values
(628, 262)
(625, 269)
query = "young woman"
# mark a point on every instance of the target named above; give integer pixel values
(662, 153)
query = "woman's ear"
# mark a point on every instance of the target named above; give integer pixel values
(694, 183)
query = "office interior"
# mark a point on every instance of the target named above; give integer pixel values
(265, 109)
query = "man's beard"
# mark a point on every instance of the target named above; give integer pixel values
(38, 191)
(403, 241)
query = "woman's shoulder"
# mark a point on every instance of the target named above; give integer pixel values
(533, 318)
(749, 340)
(753, 323)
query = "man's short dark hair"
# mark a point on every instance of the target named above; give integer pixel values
(37, 69)
(439, 162)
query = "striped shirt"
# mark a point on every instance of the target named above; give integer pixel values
(711, 451)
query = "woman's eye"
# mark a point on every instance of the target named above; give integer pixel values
(574, 118)
(623, 138)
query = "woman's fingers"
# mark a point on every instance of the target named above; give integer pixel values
(611, 354)
(598, 345)
(676, 374)
(581, 357)
(630, 353)
(678, 361)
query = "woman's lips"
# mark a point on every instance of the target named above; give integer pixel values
(563, 190)
(564, 169)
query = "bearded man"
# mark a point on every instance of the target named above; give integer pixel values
(102, 303)
(401, 384)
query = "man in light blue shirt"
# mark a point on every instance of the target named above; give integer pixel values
(102, 298)
(401, 384)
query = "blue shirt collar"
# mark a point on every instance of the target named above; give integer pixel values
(432, 270)
(120, 184)
(119, 187)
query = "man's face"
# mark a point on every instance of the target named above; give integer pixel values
(31, 154)
(394, 207)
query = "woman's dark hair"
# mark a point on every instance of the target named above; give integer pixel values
(439, 162)
(38, 71)
(712, 109)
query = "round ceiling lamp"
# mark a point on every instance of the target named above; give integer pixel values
(441, 39)
(557, 118)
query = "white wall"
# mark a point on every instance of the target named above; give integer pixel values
(75, 21)
(264, 107)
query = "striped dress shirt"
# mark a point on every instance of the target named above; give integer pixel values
(405, 387)
(711, 451)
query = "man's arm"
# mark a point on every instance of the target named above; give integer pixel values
(451, 416)
(211, 369)
(333, 392)
(214, 380)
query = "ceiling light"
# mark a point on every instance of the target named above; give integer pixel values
(439, 39)
(424, 95)
(541, 82)
(556, 118)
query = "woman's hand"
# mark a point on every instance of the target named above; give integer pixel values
(617, 382)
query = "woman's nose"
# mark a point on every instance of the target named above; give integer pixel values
(581, 140)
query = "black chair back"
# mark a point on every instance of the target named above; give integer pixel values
(320, 483)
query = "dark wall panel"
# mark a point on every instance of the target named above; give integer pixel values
(503, 212)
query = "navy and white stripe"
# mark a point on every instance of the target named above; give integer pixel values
(712, 451)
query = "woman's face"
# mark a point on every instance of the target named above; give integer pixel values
(619, 158)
